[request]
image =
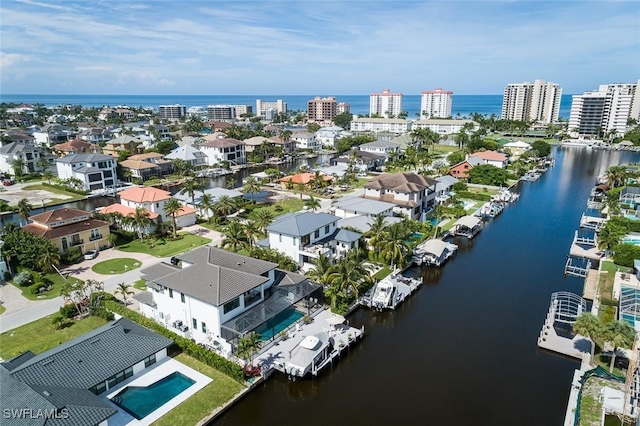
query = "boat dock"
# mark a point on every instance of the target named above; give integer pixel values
(591, 285)
(331, 334)
(390, 292)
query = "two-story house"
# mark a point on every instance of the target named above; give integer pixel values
(189, 154)
(153, 200)
(27, 153)
(350, 206)
(218, 150)
(76, 146)
(95, 171)
(52, 134)
(381, 147)
(67, 228)
(410, 192)
(304, 236)
(304, 140)
(95, 134)
(125, 143)
(147, 166)
(462, 169)
(214, 296)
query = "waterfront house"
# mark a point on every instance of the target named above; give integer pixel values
(412, 193)
(147, 166)
(517, 148)
(302, 179)
(304, 140)
(362, 161)
(327, 136)
(95, 171)
(125, 143)
(255, 142)
(492, 158)
(381, 147)
(214, 296)
(363, 223)
(95, 135)
(67, 228)
(443, 187)
(189, 154)
(153, 200)
(76, 146)
(68, 379)
(350, 206)
(390, 125)
(462, 169)
(287, 146)
(443, 126)
(304, 236)
(220, 150)
(28, 153)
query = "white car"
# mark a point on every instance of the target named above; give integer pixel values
(91, 254)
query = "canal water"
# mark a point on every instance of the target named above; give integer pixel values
(462, 350)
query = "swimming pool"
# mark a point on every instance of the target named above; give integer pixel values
(141, 401)
(278, 323)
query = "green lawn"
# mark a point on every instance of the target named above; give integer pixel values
(116, 266)
(58, 283)
(166, 248)
(38, 336)
(281, 207)
(607, 277)
(441, 149)
(200, 405)
(52, 190)
(382, 273)
(140, 285)
(2, 309)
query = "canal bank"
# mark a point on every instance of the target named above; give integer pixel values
(463, 349)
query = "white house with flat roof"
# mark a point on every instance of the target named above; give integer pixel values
(355, 206)
(391, 125)
(380, 147)
(443, 126)
(304, 140)
(96, 171)
(214, 296)
(304, 236)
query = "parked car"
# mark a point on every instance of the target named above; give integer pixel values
(8, 182)
(91, 254)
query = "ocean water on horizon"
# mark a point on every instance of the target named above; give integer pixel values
(462, 104)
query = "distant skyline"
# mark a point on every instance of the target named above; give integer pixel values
(300, 47)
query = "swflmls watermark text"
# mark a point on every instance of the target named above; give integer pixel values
(30, 413)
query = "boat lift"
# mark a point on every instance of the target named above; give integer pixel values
(575, 270)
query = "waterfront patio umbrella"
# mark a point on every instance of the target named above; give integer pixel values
(335, 319)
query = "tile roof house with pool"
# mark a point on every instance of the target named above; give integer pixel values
(214, 296)
(65, 381)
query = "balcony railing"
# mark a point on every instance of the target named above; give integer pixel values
(95, 237)
(315, 250)
(76, 242)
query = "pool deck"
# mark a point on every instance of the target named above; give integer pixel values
(151, 375)
(276, 355)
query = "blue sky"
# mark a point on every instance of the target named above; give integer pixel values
(309, 47)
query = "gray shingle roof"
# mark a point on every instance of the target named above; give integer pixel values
(14, 147)
(302, 223)
(84, 158)
(93, 357)
(346, 236)
(363, 206)
(18, 360)
(215, 276)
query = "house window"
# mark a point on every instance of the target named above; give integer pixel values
(182, 297)
(204, 327)
(230, 306)
(195, 323)
(326, 229)
(171, 293)
(150, 360)
(157, 205)
(316, 234)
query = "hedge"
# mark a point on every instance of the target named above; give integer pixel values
(66, 188)
(188, 346)
(470, 195)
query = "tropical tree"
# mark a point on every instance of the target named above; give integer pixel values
(112, 239)
(140, 220)
(48, 175)
(49, 259)
(285, 135)
(394, 248)
(312, 204)
(57, 321)
(252, 231)
(616, 176)
(225, 205)
(588, 325)
(190, 188)
(334, 293)
(321, 269)
(377, 232)
(248, 346)
(172, 207)
(609, 237)
(18, 165)
(206, 204)
(24, 209)
(231, 183)
(124, 290)
(235, 238)
(349, 275)
(621, 335)
(262, 218)
(251, 186)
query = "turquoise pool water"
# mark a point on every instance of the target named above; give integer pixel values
(633, 241)
(278, 323)
(140, 401)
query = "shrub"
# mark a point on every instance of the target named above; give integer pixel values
(66, 188)
(35, 288)
(103, 313)
(7, 275)
(71, 256)
(460, 186)
(625, 254)
(189, 347)
(23, 279)
(68, 311)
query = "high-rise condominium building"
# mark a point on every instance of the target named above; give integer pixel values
(605, 110)
(385, 104)
(342, 107)
(436, 103)
(243, 109)
(221, 112)
(538, 101)
(172, 112)
(322, 109)
(270, 108)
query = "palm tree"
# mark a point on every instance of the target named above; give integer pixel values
(263, 218)
(48, 175)
(251, 186)
(248, 346)
(322, 269)
(394, 248)
(225, 205)
(609, 237)
(124, 290)
(206, 204)
(334, 293)
(621, 335)
(231, 183)
(112, 239)
(172, 207)
(252, 231)
(285, 135)
(140, 220)
(24, 208)
(49, 259)
(588, 325)
(18, 165)
(377, 232)
(190, 187)
(235, 239)
(312, 204)
(349, 275)
(616, 176)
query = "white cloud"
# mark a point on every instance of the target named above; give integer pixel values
(9, 59)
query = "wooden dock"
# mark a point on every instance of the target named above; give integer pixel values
(591, 285)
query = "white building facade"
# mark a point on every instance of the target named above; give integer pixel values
(436, 103)
(172, 112)
(538, 101)
(96, 171)
(391, 125)
(385, 104)
(443, 126)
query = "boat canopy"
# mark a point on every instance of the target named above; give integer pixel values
(434, 246)
(468, 221)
